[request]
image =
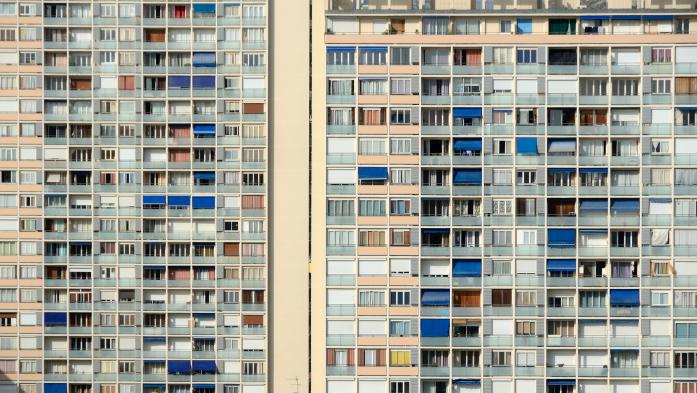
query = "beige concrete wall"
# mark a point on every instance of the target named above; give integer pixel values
(318, 198)
(289, 196)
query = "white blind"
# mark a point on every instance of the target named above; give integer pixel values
(8, 105)
(686, 54)
(626, 56)
(9, 224)
(526, 86)
(372, 267)
(526, 266)
(253, 344)
(686, 146)
(340, 386)
(372, 327)
(253, 83)
(562, 86)
(624, 329)
(341, 176)
(344, 25)
(503, 84)
(660, 387)
(435, 268)
(592, 329)
(55, 153)
(335, 267)
(127, 154)
(686, 268)
(592, 387)
(661, 116)
(340, 296)
(660, 207)
(371, 386)
(624, 387)
(341, 145)
(502, 327)
(335, 327)
(8, 57)
(108, 82)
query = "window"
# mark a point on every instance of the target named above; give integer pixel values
(660, 298)
(505, 26)
(526, 56)
(660, 86)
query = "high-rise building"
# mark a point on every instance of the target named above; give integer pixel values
(504, 196)
(137, 145)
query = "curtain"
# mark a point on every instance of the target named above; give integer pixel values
(340, 117)
(686, 177)
(685, 237)
(625, 179)
(593, 148)
(659, 237)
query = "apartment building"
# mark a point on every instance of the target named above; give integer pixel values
(504, 196)
(136, 236)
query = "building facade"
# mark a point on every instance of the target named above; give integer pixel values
(135, 251)
(504, 196)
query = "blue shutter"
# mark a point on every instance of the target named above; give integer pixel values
(203, 59)
(153, 199)
(435, 297)
(467, 268)
(467, 145)
(624, 297)
(561, 265)
(178, 200)
(55, 319)
(55, 388)
(435, 327)
(526, 145)
(178, 82)
(524, 26)
(462, 177)
(624, 205)
(467, 113)
(593, 205)
(179, 367)
(204, 129)
(205, 8)
(203, 366)
(203, 82)
(372, 173)
(561, 237)
(203, 202)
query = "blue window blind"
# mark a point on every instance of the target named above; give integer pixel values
(561, 237)
(55, 319)
(466, 382)
(153, 199)
(179, 82)
(660, 200)
(373, 49)
(203, 315)
(435, 297)
(154, 386)
(203, 82)
(203, 366)
(562, 146)
(467, 177)
(372, 173)
(467, 268)
(178, 367)
(204, 129)
(561, 265)
(435, 327)
(153, 361)
(154, 339)
(467, 113)
(204, 176)
(207, 8)
(626, 17)
(561, 170)
(203, 386)
(178, 200)
(593, 205)
(624, 205)
(561, 382)
(55, 388)
(624, 297)
(203, 59)
(341, 49)
(526, 145)
(203, 202)
(593, 170)
(658, 17)
(523, 26)
(435, 231)
(155, 267)
(466, 145)
(594, 17)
